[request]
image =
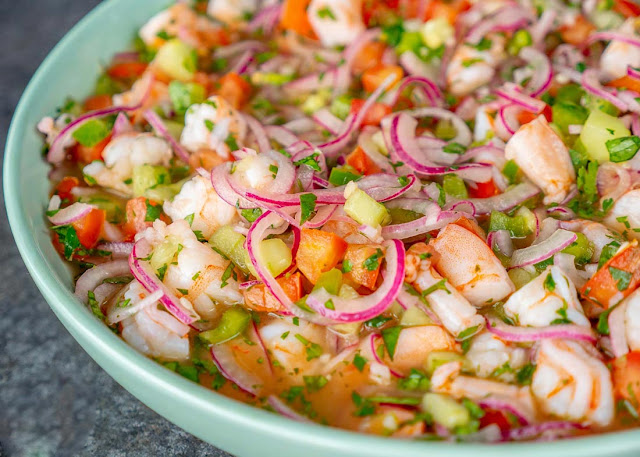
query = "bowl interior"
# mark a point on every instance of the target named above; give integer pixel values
(70, 70)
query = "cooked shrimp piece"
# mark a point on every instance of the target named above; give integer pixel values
(415, 344)
(192, 266)
(471, 68)
(154, 332)
(544, 159)
(632, 319)
(625, 214)
(619, 55)
(122, 154)
(571, 383)
(231, 11)
(209, 125)
(488, 353)
(447, 379)
(198, 198)
(336, 22)
(550, 298)
(470, 266)
(255, 171)
(148, 91)
(453, 310)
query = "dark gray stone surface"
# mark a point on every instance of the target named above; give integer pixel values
(54, 400)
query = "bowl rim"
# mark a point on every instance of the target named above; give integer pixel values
(191, 394)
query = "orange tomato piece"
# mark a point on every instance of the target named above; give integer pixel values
(627, 8)
(89, 228)
(368, 56)
(64, 187)
(260, 299)
(294, 17)
(447, 10)
(602, 286)
(375, 76)
(524, 117)
(136, 214)
(483, 189)
(626, 378)
(88, 154)
(359, 160)
(625, 82)
(234, 89)
(356, 255)
(97, 102)
(578, 32)
(319, 251)
(374, 115)
(127, 70)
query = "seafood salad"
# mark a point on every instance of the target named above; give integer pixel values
(416, 219)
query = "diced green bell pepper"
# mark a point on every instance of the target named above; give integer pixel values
(520, 225)
(581, 248)
(233, 322)
(454, 186)
(568, 113)
(342, 175)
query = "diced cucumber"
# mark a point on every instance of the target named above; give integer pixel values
(454, 185)
(342, 175)
(146, 176)
(341, 106)
(270, 79)
(177, 59)
(183, 95)
(330, 280)
(520, 277)
(401, 215)
(234, 321)
(164, 253)
(164, 192)
(435, 32)
(581, 248)
(364, 209)
(597, 130)
(231, 244)
(438, 358)
(316, 101)
(445, 410)
(445, 130)
(276, 256)
(414, 316)
(175, 128)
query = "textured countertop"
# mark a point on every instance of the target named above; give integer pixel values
(54, 400)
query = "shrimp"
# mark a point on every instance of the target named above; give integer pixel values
(550, 298)
(154, 332)
(470, 266)
(632, 319)
(122, 154)
(543, 157)
(149, 92)
(471, 68)
(453, 310)
(571, 383)
(336, 22)
(488, 353)
(211, 124)
(198, 198)
(192, 266)
(231, 11)
(255, 171)
(619, 55)
(447, 379)
(625, 214)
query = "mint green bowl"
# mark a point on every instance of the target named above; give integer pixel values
(245, 431)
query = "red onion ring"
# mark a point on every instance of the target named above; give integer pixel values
(529, 431)
(591, 84)
(612, 36)
(531, 334)
(71, 213)
(94, 276)
(259, 133)
(372, 347)
(511, 93)
(158, 125)
(282, 408)
(543, 74)
(536, 253)
(505, 201)
(225, 361)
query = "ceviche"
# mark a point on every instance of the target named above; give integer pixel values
(408, 218)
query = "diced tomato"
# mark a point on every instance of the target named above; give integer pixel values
(127, 70)
(319, 251)
(369, 56)
(234, 89)
(89, 227)
(578, 32)
(495, 417)
(524, 117)
(97, 102)
(411, 430)
(359, 160)
(626, 378)
(356, 255)
(294, 17)
(627, 8)
(379, 11)
(375, 76)
(64, 187)
(374, 114)
(602, 286)
(87, 154)
(625, 82)
(136, 212)
(260, 299)
(483, 189)
(445, 9)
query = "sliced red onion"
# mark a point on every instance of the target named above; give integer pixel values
(366, 143)
(508, 120)
(145, 276)
(282, 135)
(635, 124)
(501, 240)
(613, 181)
(511, 93)
(400, 137)
(574, 129)
(249, 284)
(321, 182)
(258, 336)
(365, 308)
(224, 359)
(613, 36)
(317, 81)
(300, 125)
(325, 119)
(502, 404)
(238, 48)
(531, 334)
(507, 18)
(71, 213)
(243, 62)
(116, 314)
(220, 182)
(538, 252)
(372, 347)
(322, 216)
(415, 66)
(543, 73)
(540, 29)
(463, 133)
(505, 201)
(158, 125)
(259, 133)
(166, 320)
(117, 248)
(633, 72)
(592, 84)
(561, 212)
(282, 408)
(531, 431)
(496, 153)
(94, 276)
(406, 301)
(430, 90)
(617, 330)
(121, 125)
(266, 19)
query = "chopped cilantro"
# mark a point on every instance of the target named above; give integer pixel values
(314, 383)
(251, 214)
(307, 207)
(390, 337)
(622, 278)
(373, 262)
(153, 212)
(359, 362)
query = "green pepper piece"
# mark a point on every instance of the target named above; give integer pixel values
(233, 322)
